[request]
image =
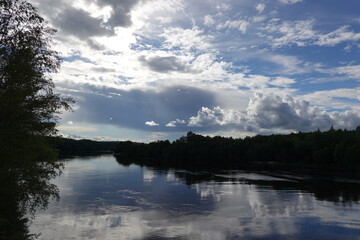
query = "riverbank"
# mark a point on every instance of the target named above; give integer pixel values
(335, 151)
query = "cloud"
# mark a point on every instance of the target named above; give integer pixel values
(207, 117)
(289, 1)
(165, 64)
(102, 69)
(341, 98)
(269, 111)
(240, 25)
(79, 23)
(85, 21)
(105, 138)
(81, 129)
(71, 20)
(174, 123)
(187, 39)
(350, 71)
(93, 138)
(291, 65)
(223, 7)
(260, 7)
(342, 34)
(132, 108)
(258, 19)
(300, 33)
(151, 123)
(121, 11)
(127, 59)
(209, 20)
(282, 81)
(171, 124)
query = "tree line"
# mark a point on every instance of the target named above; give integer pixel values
(328, 149)
(70, 147)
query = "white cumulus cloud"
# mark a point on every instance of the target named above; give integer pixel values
(151, 123)
(175, 122)
(269, 111)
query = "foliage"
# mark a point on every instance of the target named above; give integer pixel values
(27, 102)
(337, 149)
(71, 147)
(28, 113)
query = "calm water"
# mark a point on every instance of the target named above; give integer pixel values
(101, 199)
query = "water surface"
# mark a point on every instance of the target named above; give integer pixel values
(102, 199)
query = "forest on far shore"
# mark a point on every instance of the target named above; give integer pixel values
(333, 149)
(67, 147)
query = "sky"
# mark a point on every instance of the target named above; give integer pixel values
(146, 70)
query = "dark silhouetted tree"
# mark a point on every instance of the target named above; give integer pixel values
(28, 113)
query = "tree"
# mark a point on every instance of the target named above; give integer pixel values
(26, 89)
(29, 111)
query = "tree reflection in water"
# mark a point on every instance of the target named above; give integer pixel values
(323, 188)
(25, 187)
(101, 200)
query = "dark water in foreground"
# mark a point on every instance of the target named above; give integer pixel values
(101, 199)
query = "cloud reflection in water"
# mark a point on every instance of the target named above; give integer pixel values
(102, 200)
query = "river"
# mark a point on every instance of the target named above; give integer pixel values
(102, 199)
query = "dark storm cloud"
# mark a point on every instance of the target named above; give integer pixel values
(121, 15)
(79, 23)
(133, 108)
(165, 64)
